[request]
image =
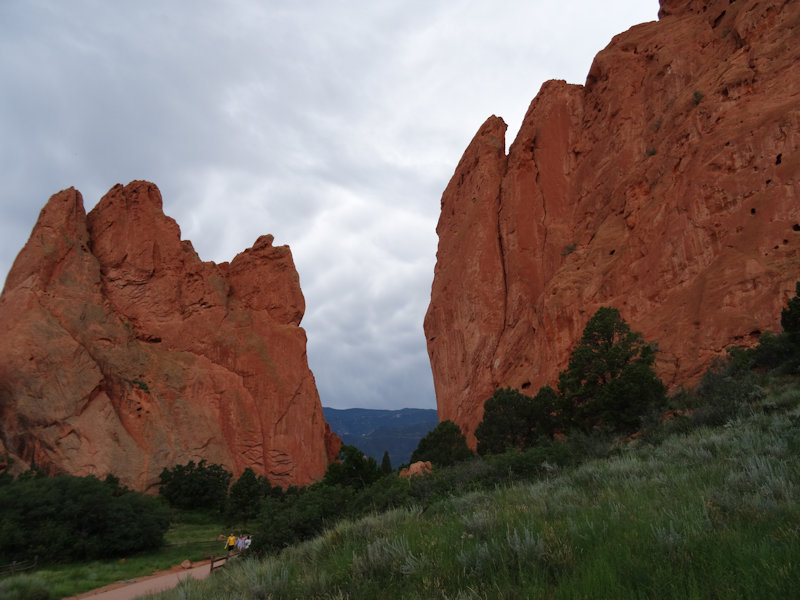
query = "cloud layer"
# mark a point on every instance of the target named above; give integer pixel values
(333, 126)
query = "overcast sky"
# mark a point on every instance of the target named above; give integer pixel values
(334, 126)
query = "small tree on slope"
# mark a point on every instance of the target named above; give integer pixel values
(444, 445)
(790, 316)
(513, 420)
(609, 383)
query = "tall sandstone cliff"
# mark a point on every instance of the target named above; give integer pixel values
(122, 352)
(666, 186)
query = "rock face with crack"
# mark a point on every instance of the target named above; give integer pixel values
(124, 353)
(666, 186)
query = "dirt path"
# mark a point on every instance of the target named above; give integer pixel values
(133, 588)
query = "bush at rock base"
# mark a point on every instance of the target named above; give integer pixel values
(67, 518)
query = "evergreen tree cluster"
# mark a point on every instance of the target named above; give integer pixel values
(68, 518)
(609, 387)
(779, 352)
(195, 485)
(607, 392)
(444, 445)
(207, 487)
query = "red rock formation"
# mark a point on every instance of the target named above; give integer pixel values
(124, 353)
(666, 186)
(417, 468)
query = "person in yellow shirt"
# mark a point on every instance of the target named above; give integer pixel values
(230, 544)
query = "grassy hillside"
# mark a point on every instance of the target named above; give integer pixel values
(690, 511)
(701, 502)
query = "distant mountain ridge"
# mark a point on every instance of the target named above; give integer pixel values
(376, 431)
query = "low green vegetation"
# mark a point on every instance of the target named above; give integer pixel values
(609, 388)
(192, 486)
(141, 385)
(603, 488)
(696, 511)
(66, 518)
(352, 469)
(569, 249)
(692, 496)
(512, 420)
(443, 446)
(193, 536)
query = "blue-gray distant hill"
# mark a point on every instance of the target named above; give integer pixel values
(376, 431)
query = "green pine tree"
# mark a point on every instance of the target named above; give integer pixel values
(244, 498)
(386, 463)
(609, 383)
(444, 445)
(790, 316)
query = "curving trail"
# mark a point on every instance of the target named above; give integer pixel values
(135, 588)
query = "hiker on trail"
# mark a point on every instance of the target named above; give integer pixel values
(247, 542)
(240, 542)
(230, 544)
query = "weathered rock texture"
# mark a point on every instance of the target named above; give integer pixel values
(124, 353)
(416, 468)
(666, 186)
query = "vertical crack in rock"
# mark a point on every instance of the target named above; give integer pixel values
(701, 252)
(179, 349)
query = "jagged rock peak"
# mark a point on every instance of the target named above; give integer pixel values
(666, 186)
(124, 353)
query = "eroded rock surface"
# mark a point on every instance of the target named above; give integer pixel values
(666, 186)
(124, 353)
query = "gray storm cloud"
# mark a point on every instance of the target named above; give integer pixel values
(333, 126)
